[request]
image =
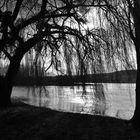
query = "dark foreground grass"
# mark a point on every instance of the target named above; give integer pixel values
(24, 122)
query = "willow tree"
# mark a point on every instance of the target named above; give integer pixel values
(122, 19)
(55, 24)
(116, 36)
(44, 25)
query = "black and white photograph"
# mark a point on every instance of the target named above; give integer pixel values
(69, 69)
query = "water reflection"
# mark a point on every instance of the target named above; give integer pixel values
(94, 100)
(99, 99)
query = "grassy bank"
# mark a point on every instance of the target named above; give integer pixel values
(24, 122)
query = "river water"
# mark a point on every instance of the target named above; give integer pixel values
(116, 100)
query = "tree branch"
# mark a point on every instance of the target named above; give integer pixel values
(7, 54)
(38, 17)
(17, 8)
(25, 47)
(43, 7)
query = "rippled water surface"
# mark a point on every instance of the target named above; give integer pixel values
(117, 100)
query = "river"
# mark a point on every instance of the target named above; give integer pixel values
(107, 99)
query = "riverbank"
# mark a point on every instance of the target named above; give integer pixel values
(25, 122)
(124, 76)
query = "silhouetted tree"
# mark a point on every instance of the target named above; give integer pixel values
(58, 25)
(26, 24)
(134, 8)
(122, 19)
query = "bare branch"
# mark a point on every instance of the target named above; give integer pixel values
(7, 54)
(43, 7)
(17, 8)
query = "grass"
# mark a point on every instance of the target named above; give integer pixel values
(25, 122)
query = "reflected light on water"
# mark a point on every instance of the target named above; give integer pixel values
(115, 100)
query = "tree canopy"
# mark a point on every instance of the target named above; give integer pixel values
(56, 30)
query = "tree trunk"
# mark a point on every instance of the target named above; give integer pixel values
(5, 93)
(8, 81)
(136, 118)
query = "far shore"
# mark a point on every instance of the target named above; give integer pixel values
(128, 76)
